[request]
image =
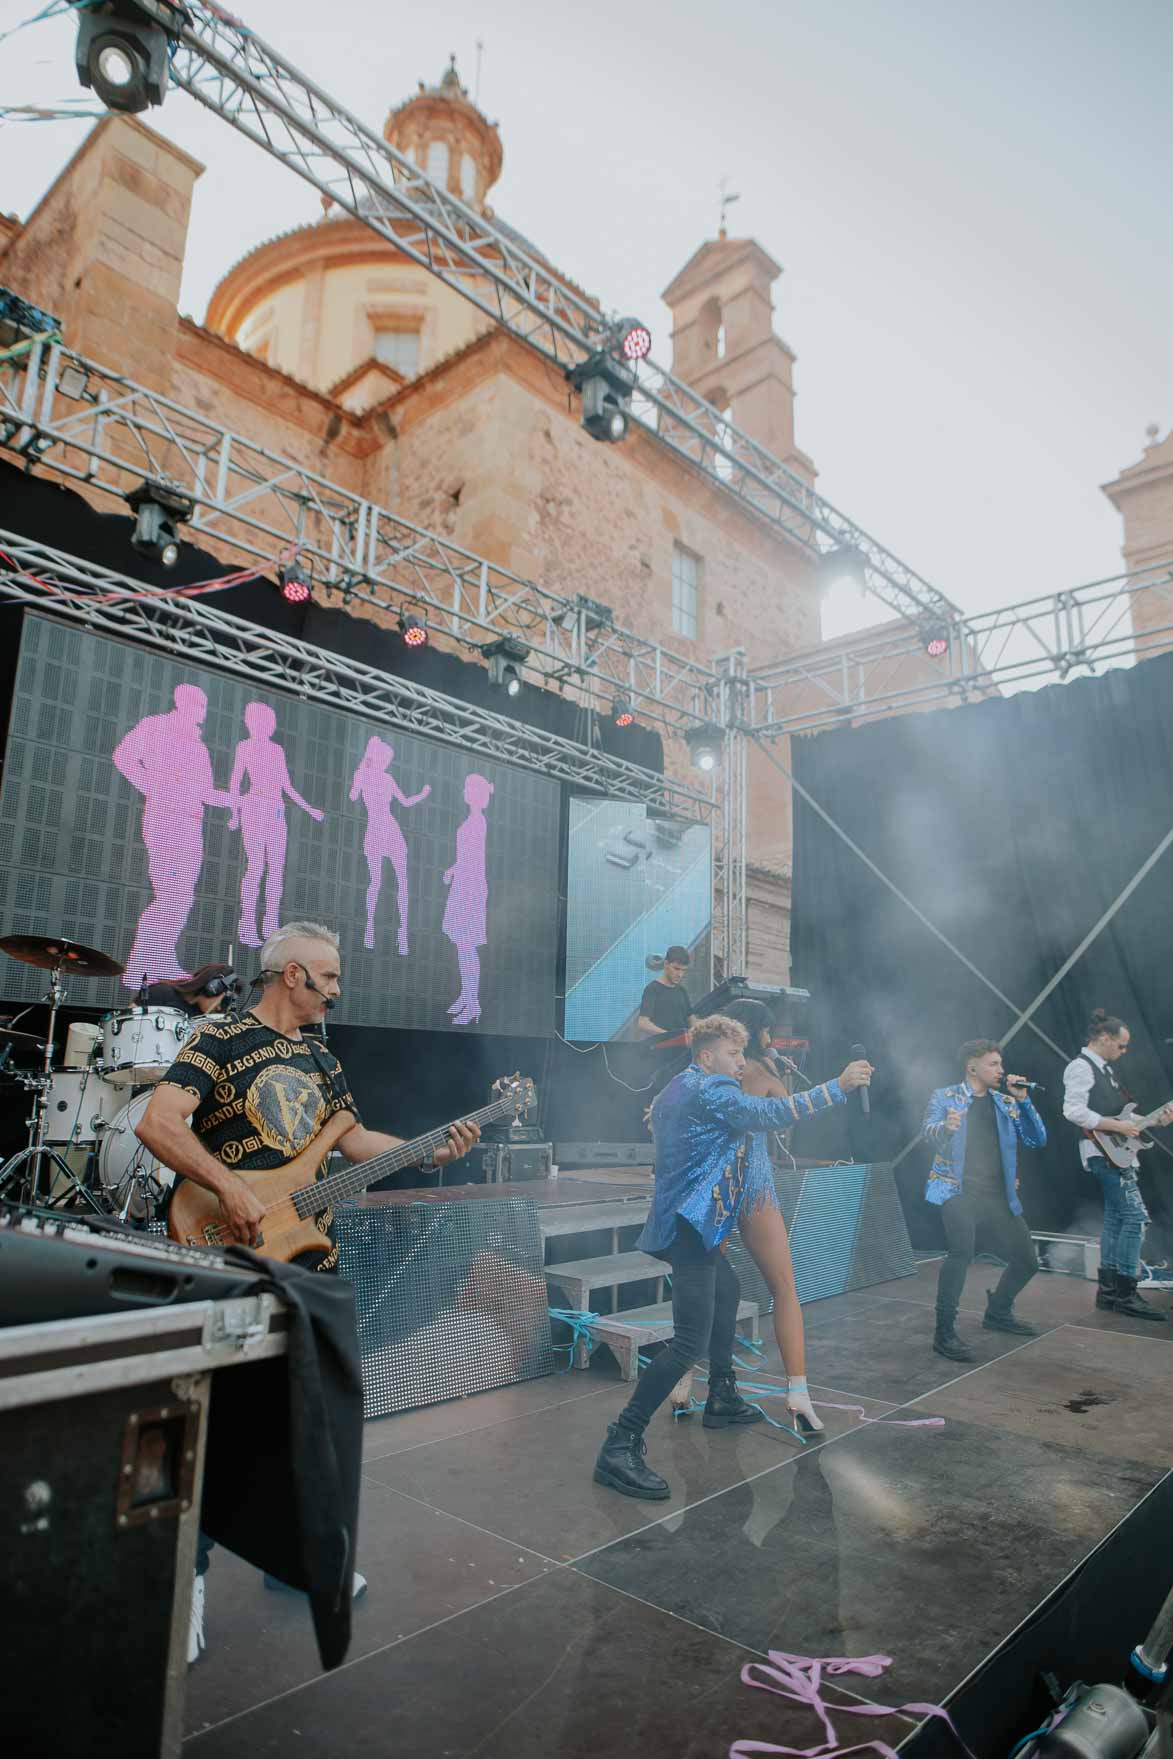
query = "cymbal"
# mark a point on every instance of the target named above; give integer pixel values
(46, 953)
(7, 1032)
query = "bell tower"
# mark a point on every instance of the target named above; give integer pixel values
(725, 347)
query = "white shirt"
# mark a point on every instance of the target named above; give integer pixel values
(1077, 1085)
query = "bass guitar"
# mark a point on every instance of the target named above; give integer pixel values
(1122, 1151)
(293, 1194)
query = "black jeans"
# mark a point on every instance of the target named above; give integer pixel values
(982, 1216)
(705, 1295)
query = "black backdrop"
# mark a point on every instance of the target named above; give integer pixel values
(407, 1081)
(1012, 824)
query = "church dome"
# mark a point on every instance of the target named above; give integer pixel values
(441, 130)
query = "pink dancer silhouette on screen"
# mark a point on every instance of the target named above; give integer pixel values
(261, 816)
(384, 839)
(468, 898)
(165, 758)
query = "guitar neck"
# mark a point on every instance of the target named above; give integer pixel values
(350, 1181)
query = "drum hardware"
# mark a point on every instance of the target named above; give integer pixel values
(133, 1182)
(140, 1044)
(26, 1169)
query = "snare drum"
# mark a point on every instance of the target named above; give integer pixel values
(122, 1158)
(81, 1045)
(140, 1044)
(78, 1107)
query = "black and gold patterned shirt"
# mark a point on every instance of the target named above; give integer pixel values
(262, 1097)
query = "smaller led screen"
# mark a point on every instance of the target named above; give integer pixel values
(636, 885)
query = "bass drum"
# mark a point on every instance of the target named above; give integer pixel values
(129, 1175)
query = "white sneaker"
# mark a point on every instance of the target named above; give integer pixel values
(195, 1631)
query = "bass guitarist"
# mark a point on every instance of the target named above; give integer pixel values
(1093, 1100)
(255, 1091)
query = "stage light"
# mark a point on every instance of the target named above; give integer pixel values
(605, 385)
(622, 713)
(295, 583)
(704, 747)
(634, 339)
(506, 656)
(123, 51)
(842, 565)
(935, 638)
(159, 509)
(413, 629)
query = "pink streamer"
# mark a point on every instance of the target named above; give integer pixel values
(888, 1422)
(799, 1679)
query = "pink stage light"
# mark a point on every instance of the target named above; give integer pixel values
(637, 343)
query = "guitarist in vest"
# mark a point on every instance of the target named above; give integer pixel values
(1093, 1100)
(255, 1092)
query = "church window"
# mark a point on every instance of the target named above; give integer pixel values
(399, 349)
(468, 177)
(438, 162)
(686, 580)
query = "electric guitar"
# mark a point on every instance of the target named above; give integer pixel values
(1122, 1151)
(293, 1194)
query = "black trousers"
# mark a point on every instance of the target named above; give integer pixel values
(981, 1217)
(705, 1296)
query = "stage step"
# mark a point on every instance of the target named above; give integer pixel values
(628, 1332)
(579, 1276)
(587, 1218)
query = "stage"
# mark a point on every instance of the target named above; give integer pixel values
(518, 1611)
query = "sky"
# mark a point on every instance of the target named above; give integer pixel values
(970, 202)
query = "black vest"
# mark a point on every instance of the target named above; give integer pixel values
(1107, 1096)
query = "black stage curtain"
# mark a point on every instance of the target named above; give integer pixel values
(1012, 824)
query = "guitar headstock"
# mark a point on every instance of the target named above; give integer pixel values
(517, 1091)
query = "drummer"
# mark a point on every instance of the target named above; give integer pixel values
(210, 990)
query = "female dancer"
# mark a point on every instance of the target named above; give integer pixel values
(761, 1225)
(468, 896)
(261, 816)
(384, 839)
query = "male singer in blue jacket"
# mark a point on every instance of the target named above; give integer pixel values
(975, 1130)
(700, 1123)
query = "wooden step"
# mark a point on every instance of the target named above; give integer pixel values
(627, 1333)
(587, 1218)
(578, 1276)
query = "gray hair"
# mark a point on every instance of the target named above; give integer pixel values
(271, 960)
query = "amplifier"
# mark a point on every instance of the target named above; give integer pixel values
(507, 1163)
(603, 1154)
(52, 1267)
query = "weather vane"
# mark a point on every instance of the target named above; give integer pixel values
(728, 197)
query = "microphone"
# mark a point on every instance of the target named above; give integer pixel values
(310, 984)
(865, 1102)
(1031, 1087)
(140, 1000)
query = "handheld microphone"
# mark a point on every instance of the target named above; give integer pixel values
(857, 1051)
(1031, 1087)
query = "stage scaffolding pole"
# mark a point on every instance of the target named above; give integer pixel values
(731, 860)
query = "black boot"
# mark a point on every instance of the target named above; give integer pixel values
(620, 1466)
(725, 1404)
(946, 1341)
(1129, 1302)
(1106, 1293)
(1002, 1317)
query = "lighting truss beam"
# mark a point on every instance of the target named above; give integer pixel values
(93, 426)
(223, 65)
(1044, 638)
(197, 632)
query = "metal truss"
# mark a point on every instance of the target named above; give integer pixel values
(1039, 639)
(223, 65)
(731, 855)
(95, 427)
(197, 632)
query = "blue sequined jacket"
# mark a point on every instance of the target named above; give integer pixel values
(700, 1123)
(1017, 1121)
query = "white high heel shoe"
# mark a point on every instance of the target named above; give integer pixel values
(798, 1403)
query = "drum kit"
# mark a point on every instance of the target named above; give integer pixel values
(82, 1148)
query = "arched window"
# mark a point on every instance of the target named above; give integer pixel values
(468, 178)
(438, 162)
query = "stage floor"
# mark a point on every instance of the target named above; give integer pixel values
(518, 1611)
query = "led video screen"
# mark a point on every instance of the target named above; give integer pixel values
(167, 814)
(636, 885)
